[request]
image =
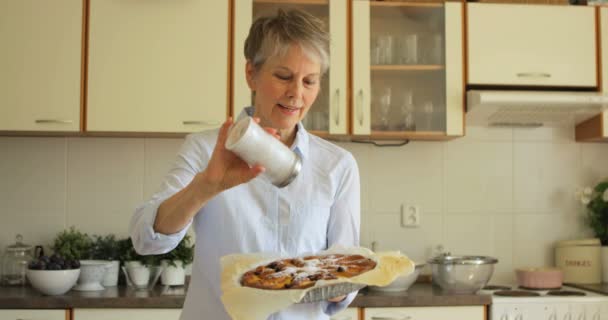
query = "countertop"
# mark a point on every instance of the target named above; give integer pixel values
(419, 295)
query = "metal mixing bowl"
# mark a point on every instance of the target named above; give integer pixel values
(462, 274)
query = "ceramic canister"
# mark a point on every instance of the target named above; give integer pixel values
(579, 260)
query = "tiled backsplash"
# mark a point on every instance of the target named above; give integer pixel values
(507, 193)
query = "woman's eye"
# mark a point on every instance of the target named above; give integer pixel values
(282, 77)
(310, 82)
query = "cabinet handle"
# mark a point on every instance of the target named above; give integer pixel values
(337, 106)
(534, 75)
(391, 318)
(60, 121)
(360, 106)
(205, 123)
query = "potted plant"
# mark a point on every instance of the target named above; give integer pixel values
(107, 248)
(75, 245)
(595, 201)
(139, 270)
(174, 262)
(72, 244)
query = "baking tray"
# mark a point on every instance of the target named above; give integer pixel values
(325, 292)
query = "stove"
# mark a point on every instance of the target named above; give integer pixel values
(566, 303)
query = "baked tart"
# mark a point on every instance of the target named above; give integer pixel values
(304, 272)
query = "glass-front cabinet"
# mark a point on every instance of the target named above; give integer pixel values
(407, 70)
(396, 67)
(328, 115)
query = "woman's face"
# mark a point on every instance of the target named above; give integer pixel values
(285, 88)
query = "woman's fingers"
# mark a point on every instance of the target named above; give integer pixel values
(223, 134)
(273, 132)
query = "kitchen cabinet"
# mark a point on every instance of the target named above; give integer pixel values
(122, 314)
(531, 45)
(426, 100)
(596, 128)
(426, 313)
(41, 57)
(157, 66)
(328, 115)
(346, 314)
(22, 314)
(407, 70)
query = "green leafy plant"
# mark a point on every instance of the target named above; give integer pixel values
(126, 252)
(72, 244)
(105, 248)
(184, 252)
(595, 201)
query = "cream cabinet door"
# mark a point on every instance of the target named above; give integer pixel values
(426, 313)
(532, 45)
(26, 314)
(346, 314)
(361, 99)
(407, 70)
(40, 65)
(328, 115)
(122, 314)
(157, 66)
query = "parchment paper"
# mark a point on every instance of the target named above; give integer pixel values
(257, 304)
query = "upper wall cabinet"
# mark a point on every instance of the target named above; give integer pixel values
(328, 115)
(157, 66)
(531, 45)
(596, 128)
(40, 63)
(407, 70)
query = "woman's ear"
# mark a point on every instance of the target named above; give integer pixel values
(250, 75)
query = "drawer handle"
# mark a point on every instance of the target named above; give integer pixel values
(337, 106)
(534, 75)
(360, 102)
(60, 121)
(391, 318)
(204, 123)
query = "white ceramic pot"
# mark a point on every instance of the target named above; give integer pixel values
(91, 275)
(139, 275)
(173, 275)
(605, 264)
(111, 277)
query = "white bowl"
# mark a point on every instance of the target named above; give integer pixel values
(92, 274)
(401, 283)
(53, 282)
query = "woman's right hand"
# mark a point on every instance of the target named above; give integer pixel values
(225, 169)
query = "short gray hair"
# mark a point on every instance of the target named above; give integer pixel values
(271, 36)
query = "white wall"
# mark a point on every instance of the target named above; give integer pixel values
(507, 193)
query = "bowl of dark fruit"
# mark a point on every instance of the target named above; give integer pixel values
(53, 275)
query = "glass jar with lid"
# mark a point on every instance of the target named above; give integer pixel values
(15, 261)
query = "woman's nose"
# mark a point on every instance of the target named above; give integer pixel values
(294, 91)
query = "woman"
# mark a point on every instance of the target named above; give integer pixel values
(230, 209)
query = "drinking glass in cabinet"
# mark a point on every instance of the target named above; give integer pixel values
(382, 49)
(407, 49)
(428, 110)
(407, 112)
(385, 108)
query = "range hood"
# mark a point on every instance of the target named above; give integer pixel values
(532, 108)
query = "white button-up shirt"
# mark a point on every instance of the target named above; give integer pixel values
(320, 208)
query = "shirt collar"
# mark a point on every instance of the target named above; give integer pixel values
(300, 144)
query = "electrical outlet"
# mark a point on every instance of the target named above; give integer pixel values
(410, 216)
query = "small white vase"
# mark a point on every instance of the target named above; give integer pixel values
(172, 275)
(139, 274)
(111, 277)
(605, 264)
